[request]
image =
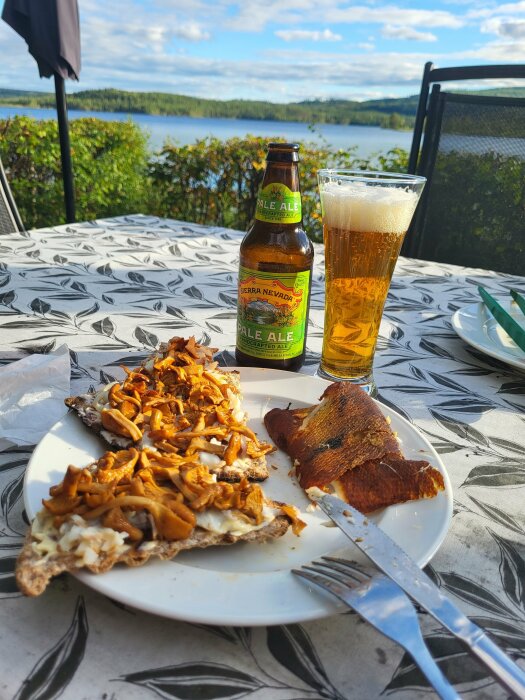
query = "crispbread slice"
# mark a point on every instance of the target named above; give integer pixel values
(87, 408)
(34, 573)
(131, 505)
(254, 469)
(186, 355)
(83, 405)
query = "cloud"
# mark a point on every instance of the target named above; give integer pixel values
(511, 8)
(124, 56)
(505, 23)
(306, 35)
(508, 28)
(498, 52)
(255, 16)
(390, 31)
(281, 76)
(156, 45)
(192, 32)
(512, 29)
(390, 14)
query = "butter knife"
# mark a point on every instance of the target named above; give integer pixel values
(505, 320)
(395, 563)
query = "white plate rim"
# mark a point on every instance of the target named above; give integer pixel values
(319, 606)
(473, 334)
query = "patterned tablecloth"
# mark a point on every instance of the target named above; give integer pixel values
(112, 290)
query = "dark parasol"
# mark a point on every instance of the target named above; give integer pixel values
(51, 29)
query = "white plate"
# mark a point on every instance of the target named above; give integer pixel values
(478, 327)
(246, 584)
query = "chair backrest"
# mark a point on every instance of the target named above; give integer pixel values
(9, 217)
(472, 211)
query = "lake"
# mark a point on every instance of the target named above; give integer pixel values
(368, 140)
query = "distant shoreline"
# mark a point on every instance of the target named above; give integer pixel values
(390, 113)
(184, 130)
(14, 105)
(397, 114)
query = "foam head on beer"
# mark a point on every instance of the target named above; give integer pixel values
(357, 206)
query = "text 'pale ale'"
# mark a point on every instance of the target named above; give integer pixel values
(275, 270)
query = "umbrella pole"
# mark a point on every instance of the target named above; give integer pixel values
(65, 148)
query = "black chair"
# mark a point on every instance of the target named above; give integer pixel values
(472, 211)
(10, 220)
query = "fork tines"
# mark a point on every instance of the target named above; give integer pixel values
(331, 572)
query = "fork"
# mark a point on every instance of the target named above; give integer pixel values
(384, 605)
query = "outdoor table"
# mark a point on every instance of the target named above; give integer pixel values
(120, 286)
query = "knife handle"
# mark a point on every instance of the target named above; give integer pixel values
(501, 666)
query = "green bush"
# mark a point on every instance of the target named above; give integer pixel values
(216, 182)
(477, 221)
(109, 164)
(210, 181)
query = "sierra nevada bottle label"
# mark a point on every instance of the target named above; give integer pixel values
(271, 313)
(277, 204)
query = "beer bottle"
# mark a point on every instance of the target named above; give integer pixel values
(275, 269)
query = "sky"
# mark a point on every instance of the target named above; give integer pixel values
(276, 50)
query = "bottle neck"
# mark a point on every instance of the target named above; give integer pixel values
(279, 199)
(284, 173)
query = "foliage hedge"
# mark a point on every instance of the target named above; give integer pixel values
(478, 221)
(109, 161)
(216, 182)
(209, 182)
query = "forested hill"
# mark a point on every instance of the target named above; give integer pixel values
(393, 113)
(388, 113)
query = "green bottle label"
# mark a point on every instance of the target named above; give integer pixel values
(272, 313)
(277, 203)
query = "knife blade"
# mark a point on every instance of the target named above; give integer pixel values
(505, 320)
(520, 301)
(395, 563)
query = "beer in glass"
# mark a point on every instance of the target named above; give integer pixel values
(365, 218)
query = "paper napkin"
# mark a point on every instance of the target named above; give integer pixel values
(32, 393)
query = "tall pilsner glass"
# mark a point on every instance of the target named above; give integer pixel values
(365, 218)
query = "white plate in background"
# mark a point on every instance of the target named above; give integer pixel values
(478, 327)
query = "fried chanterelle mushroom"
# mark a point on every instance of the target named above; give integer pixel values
(179, 402)
(135, 504)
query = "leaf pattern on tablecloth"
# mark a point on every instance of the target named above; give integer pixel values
(111, 290)
(13, 525)
(291, 646)
(9, 498)
(499, 516)
(458, 666)
(53, 672)
(507, 628)
(204, 680)
(512, 572)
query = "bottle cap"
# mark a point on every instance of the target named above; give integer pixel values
(283, 152)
